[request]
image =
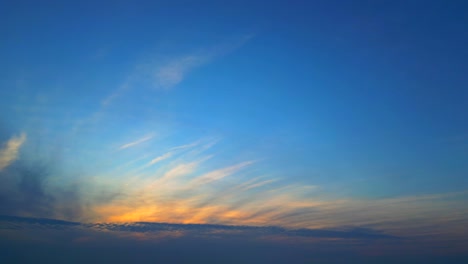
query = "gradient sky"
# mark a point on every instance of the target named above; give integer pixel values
(299, 114)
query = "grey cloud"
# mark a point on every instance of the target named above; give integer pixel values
(33, 240)
(195, 229)
(26, 190)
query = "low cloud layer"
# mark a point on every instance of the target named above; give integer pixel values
(24, 240)
(24, 223)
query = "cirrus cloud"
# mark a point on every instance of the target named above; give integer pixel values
(9, 153)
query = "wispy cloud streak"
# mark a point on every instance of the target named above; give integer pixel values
(136, 142)
(174, 72)
(160, 158)
(221, 173)
(9, 153)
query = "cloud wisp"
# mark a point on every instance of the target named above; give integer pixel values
(174, 72)
(136, 142)
(166, 72)
(169, 74)
(9, 153)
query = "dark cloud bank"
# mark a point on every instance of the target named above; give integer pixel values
(25, 223)
(40, 240)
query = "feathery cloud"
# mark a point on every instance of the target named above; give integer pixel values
(136, 142)
(172, 73)
(10, 152)
(221, 173)
(160, 158)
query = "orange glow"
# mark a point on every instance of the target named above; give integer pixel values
(175, 213)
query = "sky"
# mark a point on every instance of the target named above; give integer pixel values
(338, 126)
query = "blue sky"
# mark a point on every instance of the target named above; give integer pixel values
(248, 112)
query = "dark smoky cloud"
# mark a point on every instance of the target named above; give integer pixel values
(28, 183)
